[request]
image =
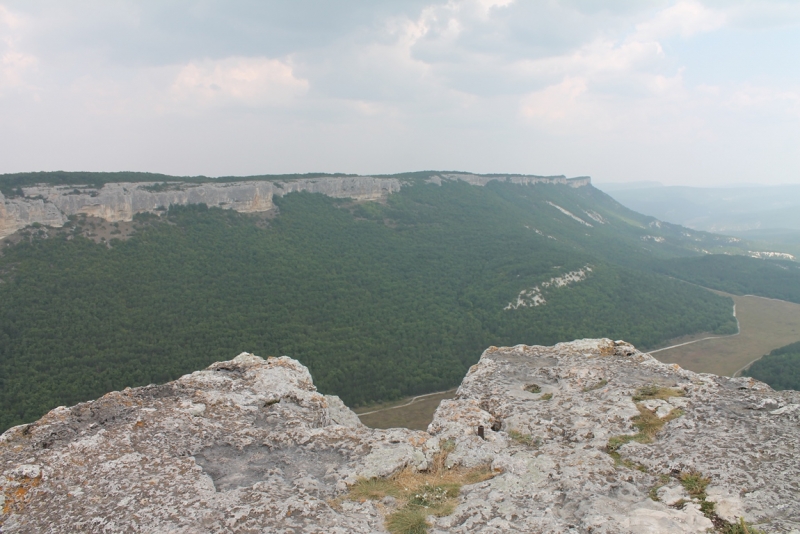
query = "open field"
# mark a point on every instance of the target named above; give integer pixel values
(765, 324)
(415, 412)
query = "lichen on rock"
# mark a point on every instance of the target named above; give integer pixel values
(249, 445)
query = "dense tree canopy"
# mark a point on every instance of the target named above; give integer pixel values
(780, 368)
(379, 300)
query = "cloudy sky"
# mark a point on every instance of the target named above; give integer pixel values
(683, 92)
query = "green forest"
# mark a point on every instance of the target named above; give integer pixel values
(740, 275)
(780, 368)
(380, 299)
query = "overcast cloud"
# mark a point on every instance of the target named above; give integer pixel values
(687, 92)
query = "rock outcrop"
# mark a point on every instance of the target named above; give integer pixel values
(51, 205)
(249, 445)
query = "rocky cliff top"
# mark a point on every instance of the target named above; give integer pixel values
(51, 205)
(588, 436)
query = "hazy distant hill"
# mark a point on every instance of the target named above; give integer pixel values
(729, 210)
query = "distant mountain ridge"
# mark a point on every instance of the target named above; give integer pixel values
(728, 210)
(51, 198)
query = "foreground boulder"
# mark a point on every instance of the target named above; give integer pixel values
(588, 436)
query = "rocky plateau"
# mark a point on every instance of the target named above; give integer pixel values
(52, 205)
(249, 445)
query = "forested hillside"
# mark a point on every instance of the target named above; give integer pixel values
(740, 275)
(380, 300)
(780, 368)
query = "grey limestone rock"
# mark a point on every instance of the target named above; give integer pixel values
(249, 445)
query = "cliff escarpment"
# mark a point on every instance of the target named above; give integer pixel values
(51, 205)
(589, 436)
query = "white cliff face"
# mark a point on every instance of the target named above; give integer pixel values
(51, 205)
(249, 445)
(18, 213)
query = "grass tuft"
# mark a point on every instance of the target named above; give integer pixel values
(373, 489)
(656, 392)
(695, 484)
(420, 493)
(408, 520)
(546, 397)
(533, 388)
(742, 527)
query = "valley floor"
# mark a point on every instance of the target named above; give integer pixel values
(765, 324)
(415, 412)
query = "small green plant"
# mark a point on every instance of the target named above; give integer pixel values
(533, 388)
(546, 397)
(695, 484)
(601, 384)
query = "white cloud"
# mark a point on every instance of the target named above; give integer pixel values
(14, 63)
(556, 102)
(685, 18)
(616, 90)
(759, 98)
(249, 81)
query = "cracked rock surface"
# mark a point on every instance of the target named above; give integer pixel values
(249, 445)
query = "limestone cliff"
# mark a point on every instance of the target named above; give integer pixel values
(249, 445)
(51, 205)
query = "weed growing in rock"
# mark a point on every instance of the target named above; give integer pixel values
(663, 480)
(533, 388)
(546, 397)
(695, 484)
(420, 494)
(742, 527)
(408, 520)
(647, 423)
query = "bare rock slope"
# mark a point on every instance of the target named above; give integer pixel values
(249, 445)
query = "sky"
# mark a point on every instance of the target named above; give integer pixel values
(680, 92)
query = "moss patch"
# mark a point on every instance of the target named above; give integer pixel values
(523, 439)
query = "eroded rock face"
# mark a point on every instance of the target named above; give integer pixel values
(249, 445)
(51, 205)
